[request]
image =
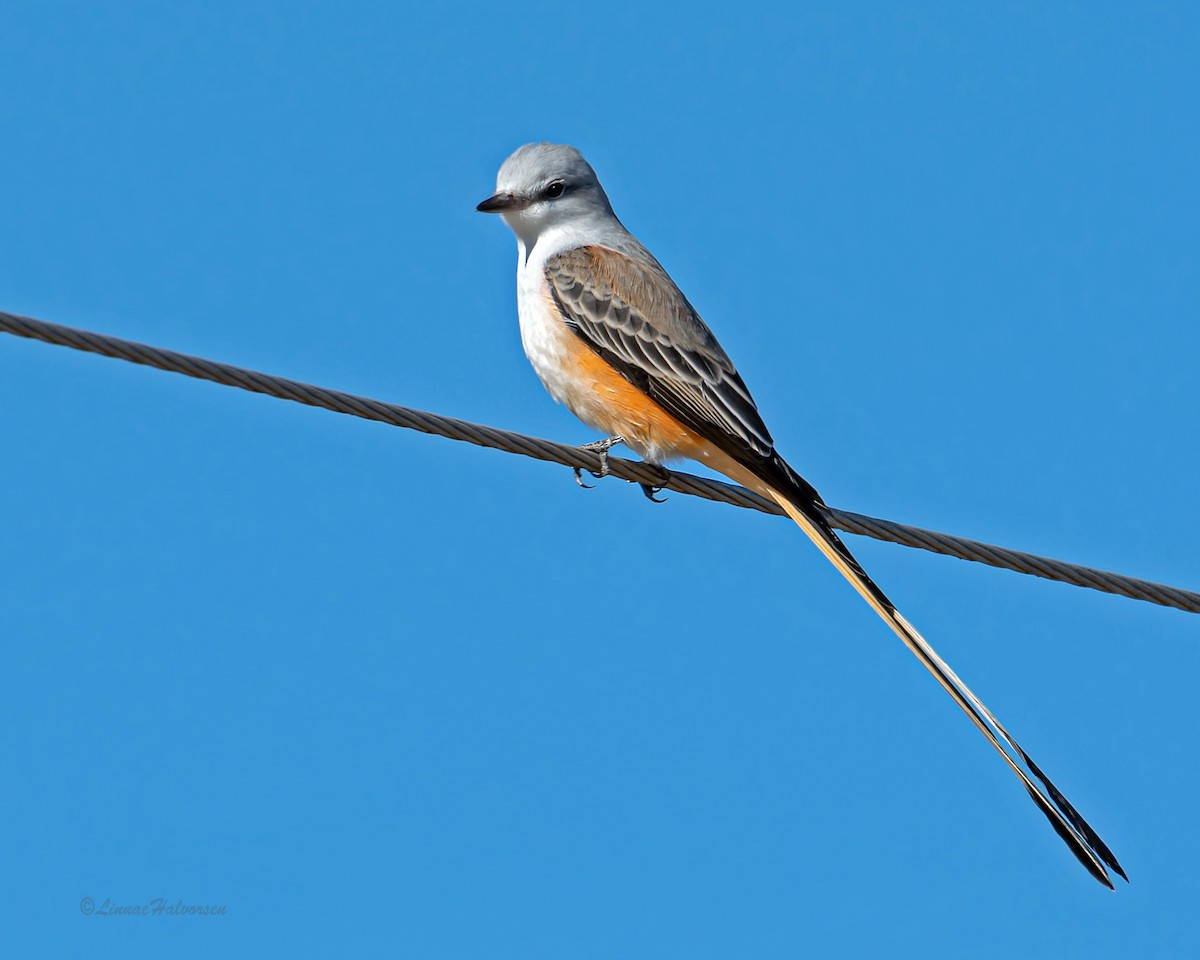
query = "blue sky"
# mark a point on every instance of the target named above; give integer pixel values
(377, 693)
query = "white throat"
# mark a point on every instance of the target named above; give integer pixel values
(537, 242)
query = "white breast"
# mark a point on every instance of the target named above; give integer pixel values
(543, 332)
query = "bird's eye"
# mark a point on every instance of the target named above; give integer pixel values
(554, 190)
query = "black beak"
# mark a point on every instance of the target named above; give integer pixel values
(501, 202)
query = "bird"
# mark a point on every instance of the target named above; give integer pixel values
(613, 338)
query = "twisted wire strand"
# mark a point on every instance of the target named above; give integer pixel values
(577, 457)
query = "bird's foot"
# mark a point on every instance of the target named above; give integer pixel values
(601, 447)
(649, 490)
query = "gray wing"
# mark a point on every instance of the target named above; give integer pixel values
(661, 345)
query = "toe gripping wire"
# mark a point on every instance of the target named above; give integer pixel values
(601, 449)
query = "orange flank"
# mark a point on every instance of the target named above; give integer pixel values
(602, 398)
(597, 393)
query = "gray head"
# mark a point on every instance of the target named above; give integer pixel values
(544, 185)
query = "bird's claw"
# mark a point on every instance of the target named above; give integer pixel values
(650, 491)
(601, 448)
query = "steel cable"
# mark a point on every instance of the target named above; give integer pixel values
(577, 457)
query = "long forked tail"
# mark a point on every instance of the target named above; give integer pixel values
(1087, 846)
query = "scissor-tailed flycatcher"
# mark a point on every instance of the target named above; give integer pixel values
(613, 338)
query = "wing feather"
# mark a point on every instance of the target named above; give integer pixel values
(661, 345)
